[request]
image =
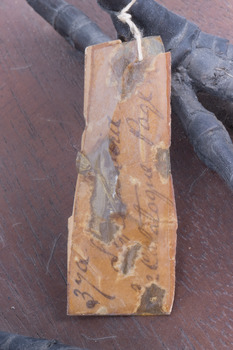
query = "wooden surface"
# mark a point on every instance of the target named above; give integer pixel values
(41, 122)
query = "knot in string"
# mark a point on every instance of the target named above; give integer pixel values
(126, 17)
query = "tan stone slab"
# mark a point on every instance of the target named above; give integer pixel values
(122, 233)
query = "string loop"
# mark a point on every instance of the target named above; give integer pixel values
(126, 17)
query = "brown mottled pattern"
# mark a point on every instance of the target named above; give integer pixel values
(124, 187)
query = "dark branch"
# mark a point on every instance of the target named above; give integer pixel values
(70, 22)
(17, 342)
(154, 19)
(200, 63)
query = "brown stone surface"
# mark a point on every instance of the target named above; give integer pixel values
(122, 235)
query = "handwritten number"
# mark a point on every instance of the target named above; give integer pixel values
(91, 303)
(82, 264)
(77, 292)
(99, 291)
(78, 281)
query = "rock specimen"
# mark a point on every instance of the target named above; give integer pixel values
(122, 233)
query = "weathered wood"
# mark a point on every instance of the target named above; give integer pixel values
(122, 235)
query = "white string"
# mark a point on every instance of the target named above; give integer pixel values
(125, 17)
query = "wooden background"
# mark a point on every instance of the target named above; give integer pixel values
(41, 123)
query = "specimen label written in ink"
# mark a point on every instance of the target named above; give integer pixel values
(122, 233)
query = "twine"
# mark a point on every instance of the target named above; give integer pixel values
(126, 17)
